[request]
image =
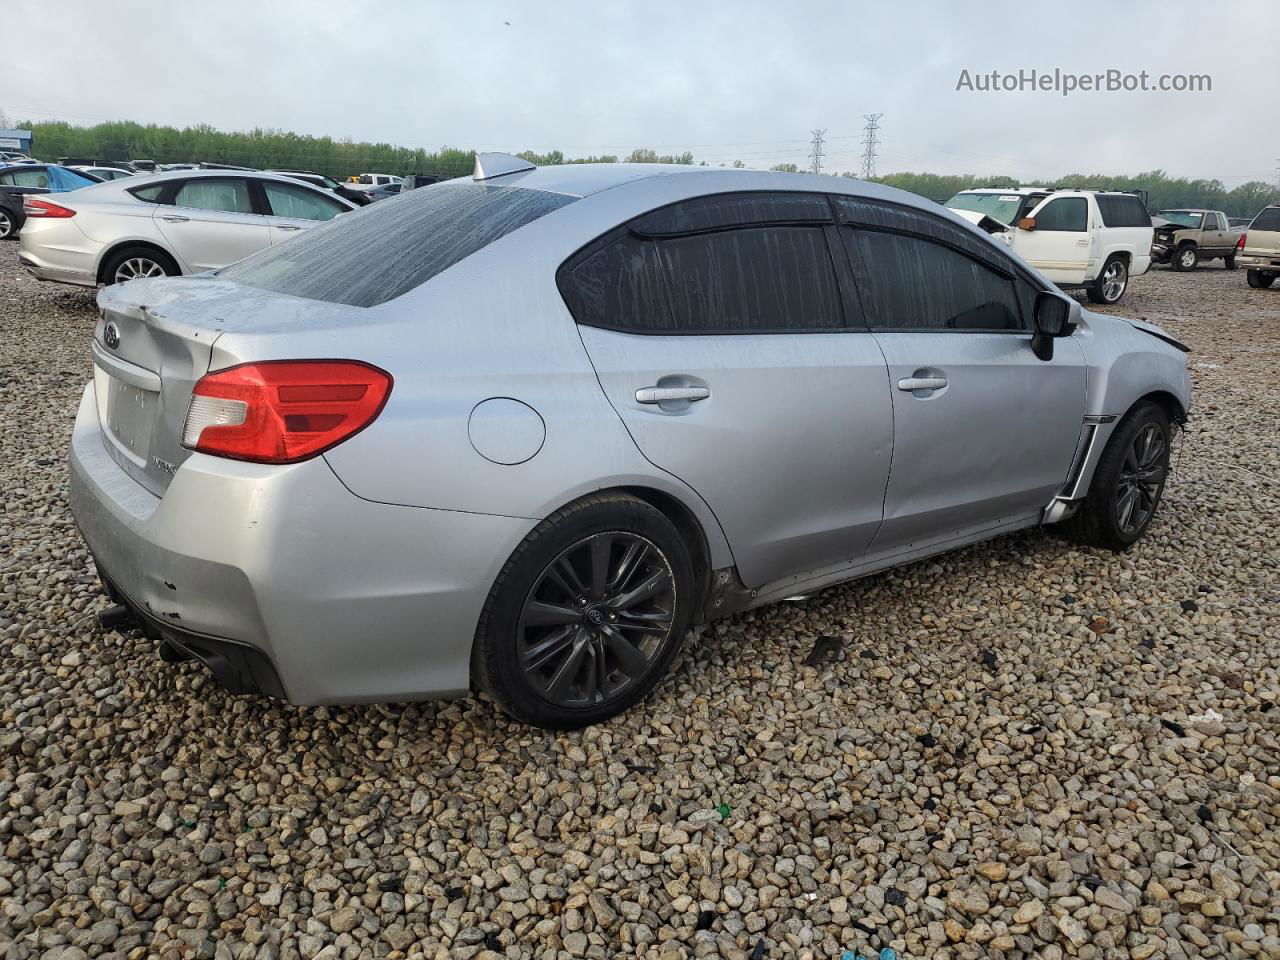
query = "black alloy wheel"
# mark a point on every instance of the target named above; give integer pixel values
(596, 619)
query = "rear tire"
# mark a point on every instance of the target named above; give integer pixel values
(1186, 257)
(1128, 483)
(587, 614)
(1229, 262)
(1260, 279)
(135, 263)
(1111, 283)
(8, 226)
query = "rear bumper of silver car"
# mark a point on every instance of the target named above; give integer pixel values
(282, 567)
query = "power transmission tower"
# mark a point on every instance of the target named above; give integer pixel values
(869, 144)
(815, 150)
(1278, 171)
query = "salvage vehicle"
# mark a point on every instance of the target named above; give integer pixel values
(166, 224)
(384, 192)
(1097, 240)
(105, 173)
(30, 179)
(367, 180)
(1190, 236)
(520, 430)
(1258, 249)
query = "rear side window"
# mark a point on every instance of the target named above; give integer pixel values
(909, 283)
(226, 196)
(28, 178)
(712, 265)
(299, 203)
(1268, 219)
(1122, 211)
(150, 194)
(1065, 213)
(387, 249)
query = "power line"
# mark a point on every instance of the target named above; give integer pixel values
(815, 150)
(869, 144)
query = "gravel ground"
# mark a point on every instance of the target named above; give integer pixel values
(1021, 749)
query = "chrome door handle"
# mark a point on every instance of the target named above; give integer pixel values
(663, 394)
(922, 383)
(286, 226)
(1082, 243)
(174, 218)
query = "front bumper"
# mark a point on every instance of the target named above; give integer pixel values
(346, 599)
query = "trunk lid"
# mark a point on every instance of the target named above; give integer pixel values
(155, 339)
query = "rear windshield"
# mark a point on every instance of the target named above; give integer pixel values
(1268, 219)
(385, 250)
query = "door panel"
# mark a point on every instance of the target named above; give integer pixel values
(210, 224)
(992, 445)
(790, 448)
(1062, 244)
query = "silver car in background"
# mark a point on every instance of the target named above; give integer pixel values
(165, 224)
(519, 431)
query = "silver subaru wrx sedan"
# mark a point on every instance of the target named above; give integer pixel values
(519, 431)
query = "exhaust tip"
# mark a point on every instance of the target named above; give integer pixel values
(115, 616)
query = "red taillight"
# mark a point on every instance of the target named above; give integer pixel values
(283, 411)
(39, 207)
(1240, 242)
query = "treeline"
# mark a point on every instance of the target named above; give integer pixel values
(279, 149)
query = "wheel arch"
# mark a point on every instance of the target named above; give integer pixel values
(691, 531)
(110, 251)
(1165, 399)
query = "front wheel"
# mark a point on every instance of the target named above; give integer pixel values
(1128, 482)
(586, 615)
(1186, 257)
(1111, 283)
(1260, 279)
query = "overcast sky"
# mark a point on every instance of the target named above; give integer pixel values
(726, 79)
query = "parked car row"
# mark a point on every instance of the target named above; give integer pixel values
(354, 467)
(166, 224)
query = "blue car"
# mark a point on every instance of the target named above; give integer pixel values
(20, 179)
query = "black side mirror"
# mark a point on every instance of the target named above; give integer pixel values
(1052, 319)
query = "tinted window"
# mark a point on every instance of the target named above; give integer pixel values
(227, 196)
(908, 283)
(1268, 219)
(1122, 211)
(299, 203)
(619, 286)
(390, 248)
(751, 279)
(1064, 213)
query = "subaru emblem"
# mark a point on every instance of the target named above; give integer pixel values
(111, 335)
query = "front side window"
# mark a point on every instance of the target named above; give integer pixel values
(227, 196)
(1068, 214)
(391, 248)
(299, 203)
(909, 283)
(712, 265)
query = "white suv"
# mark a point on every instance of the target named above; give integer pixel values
(1077, 238)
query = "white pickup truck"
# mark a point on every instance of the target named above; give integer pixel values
(1093, 239)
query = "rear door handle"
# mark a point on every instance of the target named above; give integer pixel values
(922, 383)
(173, 218)
(663, 394)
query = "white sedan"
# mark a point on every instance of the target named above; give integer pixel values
(169, 224)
